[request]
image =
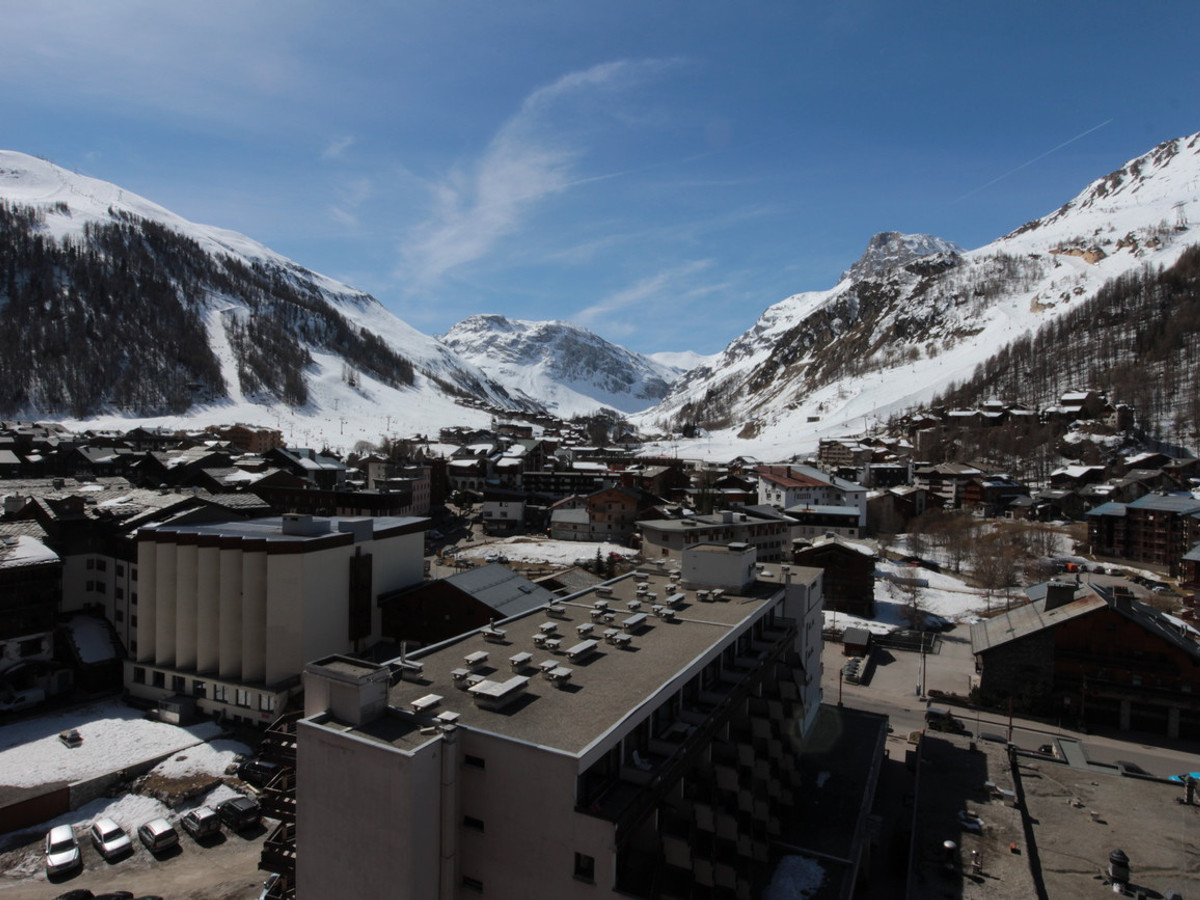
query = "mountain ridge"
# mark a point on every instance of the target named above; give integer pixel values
(828, 363)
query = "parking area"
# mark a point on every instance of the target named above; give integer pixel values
(223, 868)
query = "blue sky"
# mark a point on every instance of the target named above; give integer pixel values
(659, 172)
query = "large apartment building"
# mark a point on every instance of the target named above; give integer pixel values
(785, 487)
(636, 739)
(229, 613)
(768, 533)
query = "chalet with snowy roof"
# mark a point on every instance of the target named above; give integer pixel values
(944, 481)
(991, 493)
(609, 514)
(323, 471)
(250, 439)
(785, 487)
(1092, 654)
(890, 511)
(30, 593)
(1157, 529)
(1086, 404)
(964, 418)
(1071, 478)
(813, 521)
(1146, 461)
(849, 581)
(836, 454)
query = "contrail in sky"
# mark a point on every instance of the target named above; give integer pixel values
(1028, 163)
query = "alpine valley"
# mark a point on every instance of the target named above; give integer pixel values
(115, 312)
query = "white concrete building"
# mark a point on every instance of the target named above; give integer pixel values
(229, 613)
(633, 740)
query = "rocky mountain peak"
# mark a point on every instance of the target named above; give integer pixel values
(889, 249)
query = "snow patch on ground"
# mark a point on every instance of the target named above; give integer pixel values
(795, 878)
(203, 759)
(941, 595)
(115, 736)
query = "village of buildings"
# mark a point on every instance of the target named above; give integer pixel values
(695, 703)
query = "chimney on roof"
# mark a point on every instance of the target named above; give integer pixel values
(1059, 593)
(1122, 598)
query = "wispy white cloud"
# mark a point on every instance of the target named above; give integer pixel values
(338, 147)
(351, 196)
(530, 159)
(668, 284)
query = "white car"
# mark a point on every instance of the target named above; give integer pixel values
(62, 850)
(110, 838)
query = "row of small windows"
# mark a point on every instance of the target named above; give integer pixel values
(218, 693)
(101, 565)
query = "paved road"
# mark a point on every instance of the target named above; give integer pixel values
(893, 691)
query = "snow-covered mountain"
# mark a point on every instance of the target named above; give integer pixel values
(122, 309)
(569, 369)
(916, 313)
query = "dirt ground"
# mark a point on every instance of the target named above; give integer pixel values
(226, 869)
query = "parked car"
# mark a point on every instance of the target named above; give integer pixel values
(110, 838)
(201, 822)
(71, 738)
(76, 894)
(273, 879)
(239, 813)
(258, 772)
(62, 850)
(158, 835)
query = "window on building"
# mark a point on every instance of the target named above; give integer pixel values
(473, 823)
(120, 570)
(133, 646)
(133, 598)
(91, 563)
(119, 616)
(101, 565)
(119, 593)
(139, 675)
(199, 688)
(159, 679)
(218, 693)
(585, 867)
(474, 762)
(178, 684)
(266, 702)
(133, 620)
(132, 573)
(241, 697)
(101, 587)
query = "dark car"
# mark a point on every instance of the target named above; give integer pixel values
(239, 813)
(201, 822)
(258, 772)
(77, 894)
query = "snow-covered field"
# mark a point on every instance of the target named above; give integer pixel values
(114, 736)
(940, 594)
(534, 550)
